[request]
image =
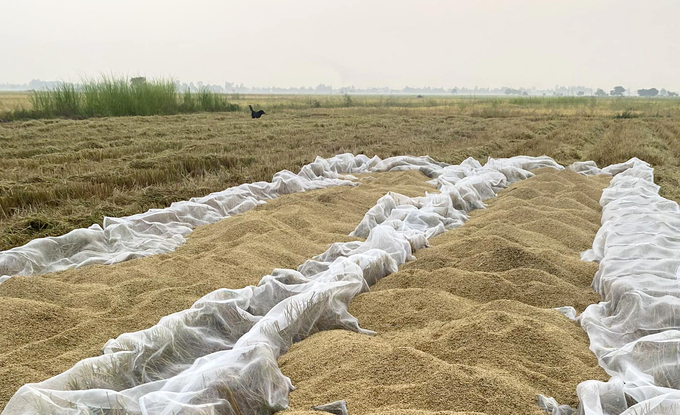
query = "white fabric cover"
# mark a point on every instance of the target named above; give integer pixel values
(158, 230)
(587, 168)
(220, 356)
(163, 230)
(635, 331)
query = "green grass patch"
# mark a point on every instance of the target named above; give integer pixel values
(117, 97)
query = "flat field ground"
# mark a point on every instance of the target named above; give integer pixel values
(474, 309)
(10, 100)
(61, 174)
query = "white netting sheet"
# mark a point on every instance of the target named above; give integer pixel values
(163, 230)
(635, 331)
(220, 356)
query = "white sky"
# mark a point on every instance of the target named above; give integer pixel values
(521, 43)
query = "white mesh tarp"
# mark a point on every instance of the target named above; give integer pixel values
(635, 331)
(163, 230)
(220, 356)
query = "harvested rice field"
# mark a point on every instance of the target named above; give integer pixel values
(189, 226)
(469, 326)
(60, 174)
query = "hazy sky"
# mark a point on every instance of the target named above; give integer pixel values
(542, 43)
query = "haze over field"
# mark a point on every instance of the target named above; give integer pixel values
(492, 43)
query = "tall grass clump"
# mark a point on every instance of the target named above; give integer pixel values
(120, 97)
(62, 100)
(207, 101)
(116, 97)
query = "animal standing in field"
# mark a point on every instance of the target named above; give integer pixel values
(255, 114)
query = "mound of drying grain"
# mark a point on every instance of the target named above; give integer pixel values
(49, 322)
(469, 325)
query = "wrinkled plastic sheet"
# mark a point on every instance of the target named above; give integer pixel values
(635, 331)
(163, 230)
(220, 355)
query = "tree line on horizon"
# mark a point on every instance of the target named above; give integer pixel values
(323, 89)
(618, 91)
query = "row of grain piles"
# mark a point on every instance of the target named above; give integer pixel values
(50, 322)
(469, 327)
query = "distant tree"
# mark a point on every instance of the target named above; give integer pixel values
(512, 91)
(36, 84)
(672, 94)
(348, 89)
(580, 93)
(600, 93)
(324, 89)
(454, 90)
(617, 91)
(663, 92)
(348, 100)
(525, 93)
(652, 92)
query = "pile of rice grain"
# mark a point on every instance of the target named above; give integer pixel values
(469, 326)
(50, 322)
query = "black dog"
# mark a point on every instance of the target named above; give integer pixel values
(255, 114)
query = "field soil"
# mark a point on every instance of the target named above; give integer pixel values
(469, 327)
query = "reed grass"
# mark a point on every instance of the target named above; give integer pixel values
(117, 97)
